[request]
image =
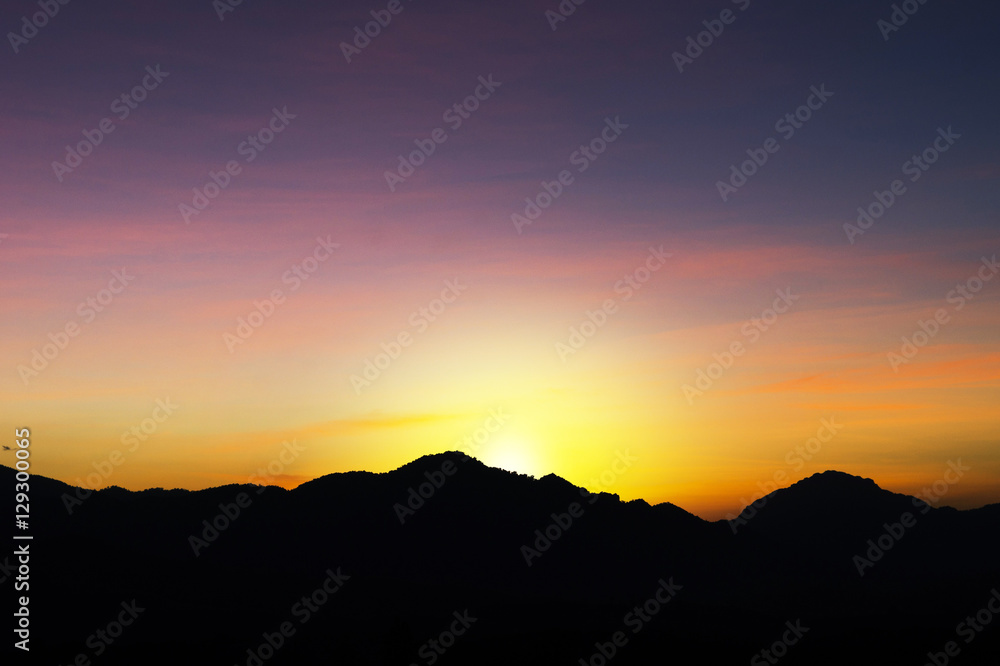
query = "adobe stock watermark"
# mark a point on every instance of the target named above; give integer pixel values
(562, 522)
(87, 310)
(372, 29)
(417, 497)
(122, 106)
(562, 12)
(454, 116)
(229, 512)
(894, 532)
(104, 637)
(899, 16)
(294, 277)
(786, 126)
(914, 167)
(636, 619)
(581, 158)
(470, 444)
(420, 320)
(779, 648)
(133, 438)
(37, 21)
(751, 330)
(968, 629)
(714, 28)
(302, 610)
(223, 7)
(927, 329)
(626, 288)
(433, 649)
(796, 460)
(249, 148)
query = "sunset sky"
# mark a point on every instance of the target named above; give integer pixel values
(307, 210)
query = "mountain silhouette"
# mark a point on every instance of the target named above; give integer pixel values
(448, 561)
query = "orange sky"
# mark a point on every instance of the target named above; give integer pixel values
(494, 348)
(367, 319)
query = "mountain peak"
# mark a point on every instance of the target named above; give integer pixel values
(438, 459)
(831, 479)
(834, 488)
(825, 499)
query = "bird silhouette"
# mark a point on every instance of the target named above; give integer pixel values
(7, 448)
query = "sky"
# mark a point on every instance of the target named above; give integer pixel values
(678, 251)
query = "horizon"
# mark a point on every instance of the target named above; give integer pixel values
(929, 494)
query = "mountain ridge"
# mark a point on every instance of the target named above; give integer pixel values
(550, 569)
(833, 481)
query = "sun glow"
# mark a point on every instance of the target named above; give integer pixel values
(515, 454)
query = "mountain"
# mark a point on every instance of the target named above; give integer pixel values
(447, 561)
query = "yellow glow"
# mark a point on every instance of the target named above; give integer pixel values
(513, 453)
(492, 356)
